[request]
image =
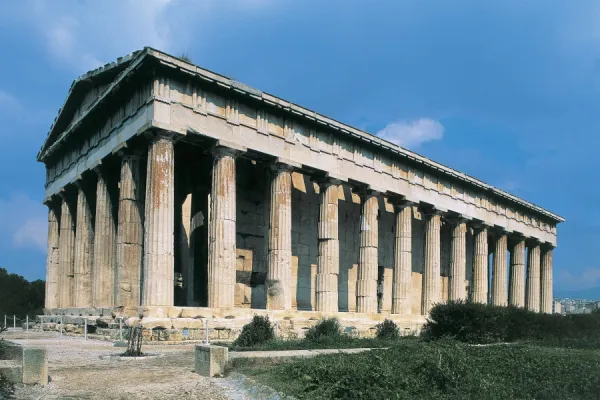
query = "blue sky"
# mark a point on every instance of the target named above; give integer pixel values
(506, 91)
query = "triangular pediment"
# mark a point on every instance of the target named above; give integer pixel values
(82, 94)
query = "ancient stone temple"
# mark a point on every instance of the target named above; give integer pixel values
(176, 195)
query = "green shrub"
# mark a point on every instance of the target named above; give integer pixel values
(443, 369)
(324, 329)
(387, 330)
(258, 331)
(482, 323)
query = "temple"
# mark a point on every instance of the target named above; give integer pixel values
(176, 194)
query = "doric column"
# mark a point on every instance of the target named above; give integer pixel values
(328, 260)
(279, 269)
(546, 272)
(84, 248)
(458, 262)
(66, 251)
(532, 288)
(103, 267)
(52, 258)
(516, 293)
(159, 228)
(499, 273)
(480, 265)
(431, 271)
(130, 232)
(366, 285)
(222, 220)
(402, 273)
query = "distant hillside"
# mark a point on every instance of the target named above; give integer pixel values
(588, 294)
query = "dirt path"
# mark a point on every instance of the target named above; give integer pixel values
(77, 372)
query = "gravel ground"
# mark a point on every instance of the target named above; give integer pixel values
(77, 372)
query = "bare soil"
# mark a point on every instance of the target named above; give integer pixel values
(77, 372)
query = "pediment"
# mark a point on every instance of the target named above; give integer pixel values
(82, 94)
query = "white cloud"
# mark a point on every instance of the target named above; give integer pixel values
(33, 233)
(24, 222)
(411, 134)
(588, 278)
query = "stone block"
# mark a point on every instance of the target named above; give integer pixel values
(35, 366)
(152, 322)
(194, 313)
(131, 321)
(190, 323)
(210, 360)
(11, 370)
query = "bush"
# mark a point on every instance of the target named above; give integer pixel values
(387, 330)
(482, 323)
(442, 369)
(324, 329)
(258, 331)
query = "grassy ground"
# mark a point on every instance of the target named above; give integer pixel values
(336, 342)
(413, 369)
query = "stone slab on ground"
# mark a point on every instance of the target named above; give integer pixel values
(11, 370)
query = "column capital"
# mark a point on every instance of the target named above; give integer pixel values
(532, 242)
(545, 246)
(154, 135)
(327, 181)
(366, 192)
(283, 164)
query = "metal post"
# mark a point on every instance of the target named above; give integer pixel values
(14, 323)
(27, 324)
(42, 323)
(61, 326)
(121, 329)
(4, 320)
(85, 329)
(206, 329)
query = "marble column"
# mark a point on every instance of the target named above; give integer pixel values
(516, 292)
(279, 268)
(222, 230)
(402, 273)
(480, 266)
(532, 288)
(84, 248)
(366, 285)
(546, 281)
(52, 258)
(159, 227)
(103, 267)
(66, 252)
(328, 260)
(431, 271)
(130, 232)
(458, 262)
(499, 272)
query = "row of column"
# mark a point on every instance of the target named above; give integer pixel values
(86, 266)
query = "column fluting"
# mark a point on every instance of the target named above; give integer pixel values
(546, 281)
(279, 269)
(130, 232)
(66, 253)
(159, 228)
(516, 293)
(52, 258)
(480, 266)
(431, 270)
(222, 230)
(499, 272)
(103, 267)
(84, 249)
(532, 288)
(402, 273)
(366, 285)
(458, 262)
